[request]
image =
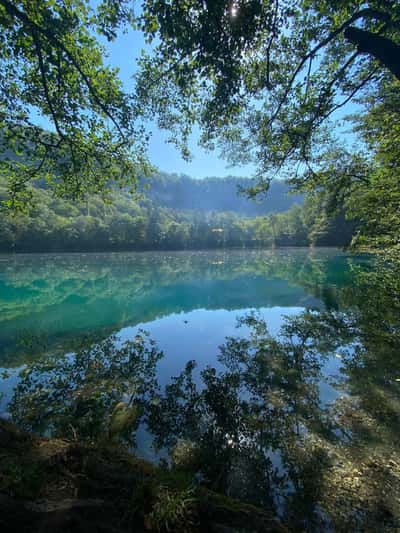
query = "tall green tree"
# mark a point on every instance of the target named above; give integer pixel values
(376, 201)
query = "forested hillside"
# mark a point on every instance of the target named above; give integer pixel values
(219, 194)
(129, 223)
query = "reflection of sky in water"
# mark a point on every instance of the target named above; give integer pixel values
(53, 299)
(302, 432)
(330, 369)
(198, 334)
(7, 385)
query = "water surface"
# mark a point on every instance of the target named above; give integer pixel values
(51, 300)
(297, 407)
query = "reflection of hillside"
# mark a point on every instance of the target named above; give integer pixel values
(57, 296)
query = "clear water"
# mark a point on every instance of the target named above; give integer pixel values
(301, 424)
(49, 301)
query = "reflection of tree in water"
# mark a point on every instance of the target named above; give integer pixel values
(98, 392)
(257, 428)
(244, 427)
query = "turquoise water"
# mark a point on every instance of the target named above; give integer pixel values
(188, 302)
(51, 301)
(298, 396)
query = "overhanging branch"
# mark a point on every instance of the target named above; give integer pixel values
(381, 48)
(13, 11)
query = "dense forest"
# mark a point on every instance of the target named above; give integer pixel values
(160, 219)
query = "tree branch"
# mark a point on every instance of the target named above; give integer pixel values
(363, 82)
(13, 11)
(381, 48)
(364, 13)
(45, 86)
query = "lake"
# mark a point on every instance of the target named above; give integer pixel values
(291, 398)
(48, 301)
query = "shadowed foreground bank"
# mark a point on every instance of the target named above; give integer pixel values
(60, 485)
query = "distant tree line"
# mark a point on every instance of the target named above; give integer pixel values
(54, 224)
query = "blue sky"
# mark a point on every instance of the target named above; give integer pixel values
(123, 54)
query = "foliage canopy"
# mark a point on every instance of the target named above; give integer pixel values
(64, 115)
(264, 77)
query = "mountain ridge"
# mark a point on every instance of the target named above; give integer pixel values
(182, 192)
